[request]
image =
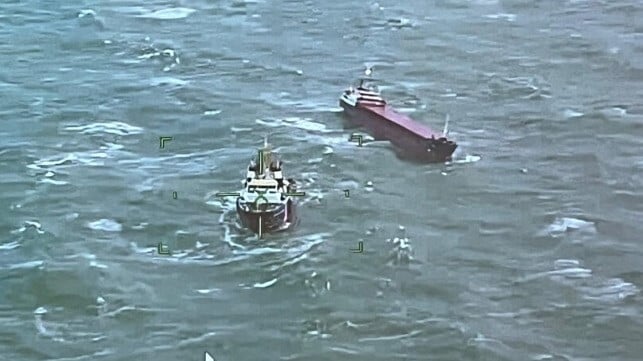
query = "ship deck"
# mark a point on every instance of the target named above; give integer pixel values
(403, 121)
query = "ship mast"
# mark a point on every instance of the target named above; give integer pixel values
(367, 76)
(445, 132)
(264, 157)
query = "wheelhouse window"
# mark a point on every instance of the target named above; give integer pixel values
(262, 189)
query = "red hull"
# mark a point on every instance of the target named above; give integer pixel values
(413, 138)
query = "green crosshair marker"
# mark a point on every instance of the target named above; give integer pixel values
(296, 194)
(260, 196)
(227, 194)
(260, 165)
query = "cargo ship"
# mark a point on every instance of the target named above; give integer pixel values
(365, 107)
(267, 202)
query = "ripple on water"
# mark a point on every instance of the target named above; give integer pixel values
(295, 122)
(610, 290)
(88, 18)
(260, 284)
(168, 57)
(27, 265)
(590, 286)
(116, 128)
(106, 225)
(29, 224)
(53, 182)
(92, 158)
(566, 224)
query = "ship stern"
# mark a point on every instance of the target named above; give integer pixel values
(265, 217)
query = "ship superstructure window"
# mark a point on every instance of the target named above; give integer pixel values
(369, 97)
(269, 189)
(368, 92)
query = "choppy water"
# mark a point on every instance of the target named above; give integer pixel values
(526, 247)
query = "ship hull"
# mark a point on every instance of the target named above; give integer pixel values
(267, 218)
(409, 143)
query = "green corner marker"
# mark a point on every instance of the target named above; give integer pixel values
(162, 141)
(162, 249)
(358, 138)
(360, 248)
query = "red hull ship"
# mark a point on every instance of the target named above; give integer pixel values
(365, 107)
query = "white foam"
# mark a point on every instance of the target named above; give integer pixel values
(140, 226)
(240, 130)
(107, 225)
(207, 291)
(401, 22)
(169, 14)
(468, 159)
(86, 12)
(71, 216)
(167, 80)
(97, 265)
(503, 16)
(10, 245)
(569, 113)
(615, 111)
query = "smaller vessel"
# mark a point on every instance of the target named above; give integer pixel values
(268, 201)
(365, 106)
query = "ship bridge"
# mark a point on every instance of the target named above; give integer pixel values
(369, 97)
(262, 191)
(363, 94)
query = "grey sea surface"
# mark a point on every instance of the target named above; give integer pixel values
(526, 247)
